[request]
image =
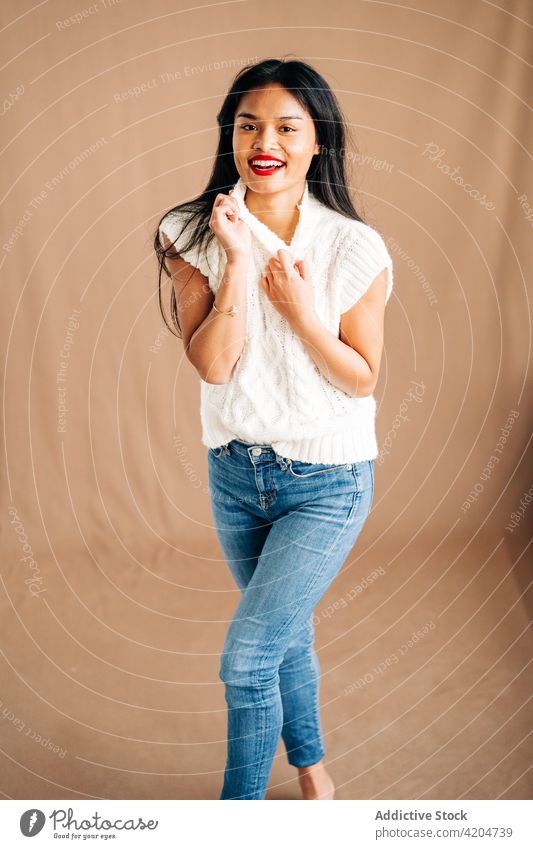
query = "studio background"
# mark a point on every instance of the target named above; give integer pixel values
(115, 595)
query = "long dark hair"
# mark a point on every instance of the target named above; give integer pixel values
(326, 176)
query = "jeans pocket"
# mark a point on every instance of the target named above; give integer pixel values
(219, 451)
(299, 469)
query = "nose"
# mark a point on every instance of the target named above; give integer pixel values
(265, 139)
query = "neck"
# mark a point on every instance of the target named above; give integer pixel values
(277, 210)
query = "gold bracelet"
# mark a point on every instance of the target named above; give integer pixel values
(232, 311)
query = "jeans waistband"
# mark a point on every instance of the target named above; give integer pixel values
(241, 448)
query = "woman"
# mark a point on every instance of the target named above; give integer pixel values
(279, 291)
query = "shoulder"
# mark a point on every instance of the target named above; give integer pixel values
(362, 254)
(330, 223)
(362, 245)
(179, 225)
(363, 236)
(175, 222)
(348, 234)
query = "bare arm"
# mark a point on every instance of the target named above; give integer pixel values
(214, 342)
(351, 362)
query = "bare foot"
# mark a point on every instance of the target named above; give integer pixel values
(316, 782)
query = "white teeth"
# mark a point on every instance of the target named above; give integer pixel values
(263, 164)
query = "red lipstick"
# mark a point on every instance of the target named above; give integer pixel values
(257, 166)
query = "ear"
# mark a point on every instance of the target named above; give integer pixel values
(317, 148)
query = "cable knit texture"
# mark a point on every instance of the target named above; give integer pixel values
(276, 394)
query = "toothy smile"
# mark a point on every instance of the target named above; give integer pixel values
(265, 164)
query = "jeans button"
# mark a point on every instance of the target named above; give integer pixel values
(256, 452)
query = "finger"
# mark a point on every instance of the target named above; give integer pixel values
(303, 269)
(230, 204)
(221, 199)
(274, 268)
(226, 205)
(284, 258)
(230, 198)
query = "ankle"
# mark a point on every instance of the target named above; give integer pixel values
(313, 768)
(316, 782)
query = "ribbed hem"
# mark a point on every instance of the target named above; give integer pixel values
(354, 440)
(351, 446)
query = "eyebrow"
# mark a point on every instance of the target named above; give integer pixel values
(276, 117)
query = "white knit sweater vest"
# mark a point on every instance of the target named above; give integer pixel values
(276, 394)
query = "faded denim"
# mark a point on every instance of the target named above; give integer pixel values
(285, 528)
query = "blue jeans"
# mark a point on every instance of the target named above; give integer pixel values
(285, 528)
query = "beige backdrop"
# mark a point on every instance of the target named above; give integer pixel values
(115, 595)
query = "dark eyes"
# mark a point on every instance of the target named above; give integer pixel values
(285, 127)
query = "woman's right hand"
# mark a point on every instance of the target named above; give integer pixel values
(232, 232)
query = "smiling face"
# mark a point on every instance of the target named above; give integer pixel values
(274, 140)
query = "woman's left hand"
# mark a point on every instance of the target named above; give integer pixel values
(289, 288)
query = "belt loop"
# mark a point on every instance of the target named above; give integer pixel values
(283, 463)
